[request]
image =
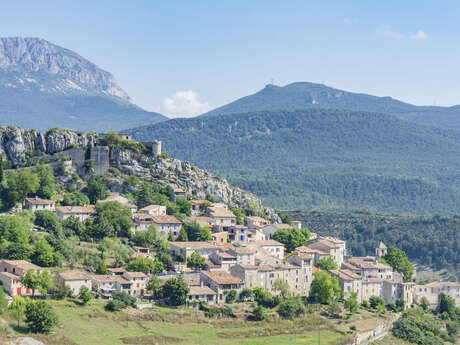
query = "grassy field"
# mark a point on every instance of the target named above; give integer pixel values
(92, 325)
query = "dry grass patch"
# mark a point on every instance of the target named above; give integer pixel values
(151, 339)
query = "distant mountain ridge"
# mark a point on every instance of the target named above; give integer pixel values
(305, 95)
(43, 85)
(323, 158)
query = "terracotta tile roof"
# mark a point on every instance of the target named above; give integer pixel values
(200, 290)
(142, 217)
(152, 207)
(366, 264)
(23, 264)
(166, 220)
(116, 269)
(304, 256)
(90, 209)
(267, 243)
(345, 274)
(220, 212)
(135, 274)
(248, 267)
(104, 278)
(39, 201)
(225, 255)
(241, 250)
(75, 275)
(179, 190)
(221, 277)
(194, 245)
(197, 202)
(198, 219)
(280, 226)
(122, 280)
(323, 245)
(382, 245)
(305, 249)
(442, 284)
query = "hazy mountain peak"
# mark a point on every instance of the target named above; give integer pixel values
(29, 62)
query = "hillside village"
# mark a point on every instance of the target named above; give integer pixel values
(72, 237)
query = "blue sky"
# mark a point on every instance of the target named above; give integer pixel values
(184, 57)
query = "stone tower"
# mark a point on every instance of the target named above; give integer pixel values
(381, 250)
(156, 147)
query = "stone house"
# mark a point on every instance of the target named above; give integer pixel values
(197, 206)
(222, 283)
(167, 225)
(201, 294)
(74, 279)
(333, 247)
(36, 203)
(81, 212)
(154, 210)
(237, 233)
(10, 275)
(224, 260)
(432, 291)
(349, 282)
(120, 199)
(219, 237)
(255, 235)
(270, 229)
(369, 268)
(221, 216)
(255, 222)
(244, 255)
(179, 193)
(105, 284)
(185, 249)
(138, 282)
(273, 247)
(202, 220)
(142, 221)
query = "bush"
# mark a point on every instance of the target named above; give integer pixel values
(376, 301)
(257, 314)
(291, 308)
(231, 296)
(124, 297)
(40, 317)
(115, 305)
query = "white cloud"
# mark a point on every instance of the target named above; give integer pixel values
(419, 35)
(184, 104)
(398, 36)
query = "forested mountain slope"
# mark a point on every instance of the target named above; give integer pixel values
(304, 95)
(323, 158)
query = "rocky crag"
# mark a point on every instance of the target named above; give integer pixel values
(18, 145)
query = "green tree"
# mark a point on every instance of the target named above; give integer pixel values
(175, 291)
(2, 173)
(291, 308)
(398, 260)
(196, 232)
(292, 238)
(85, 295)
(3, 301)
(257, 314)
(102, 268)
(447, 305)
(75, 199)
(36, 280)
(376, 301)
(324, 287)
(333, 308)
(15, 229)
(111, 220)
(143, 264)
(40, 316)
(96, 189)
(47, 186)
(18, 307)
(246, 294)
(16, 251)
(19, 184)
(182, 237)
(74, 227)
(196, 261)
(49, 221)
(282, 287)
(351, 303)
(424, 304)
(146, 238)
(231, 296)
(147, 194)
(43, 254)
(185, 206)
(154, 285)
(327, 264)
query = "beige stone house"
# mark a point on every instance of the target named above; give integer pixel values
(81, 212)
(221, 216)
(222, 283)
(273, 247)
(349, 282)
(186, 249)
(36, 203)
(154, 210)
(255, 222)
(10, 275)
(201, 294)
(75, 279)
(270, 229)
(197, 206)
(432, 291)
(202, 220)
(167, 225)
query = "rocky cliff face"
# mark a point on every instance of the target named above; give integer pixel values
(16, 144)
(30, 62)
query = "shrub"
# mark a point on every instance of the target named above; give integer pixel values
(115, 305)
(40, 317)
(291, 308)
